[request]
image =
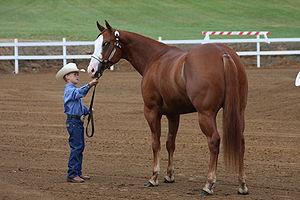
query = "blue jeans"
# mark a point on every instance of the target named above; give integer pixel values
(76, 142)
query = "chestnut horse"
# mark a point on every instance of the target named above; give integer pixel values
(204, 79)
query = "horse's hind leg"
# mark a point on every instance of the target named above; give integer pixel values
(153, 118)
(170, 144)
(207, 122)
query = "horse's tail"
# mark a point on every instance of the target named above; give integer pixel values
(232, 133)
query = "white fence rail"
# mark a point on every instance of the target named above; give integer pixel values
(64, 44)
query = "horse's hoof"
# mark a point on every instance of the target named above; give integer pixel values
(243, 190)
(169, 180)
(204, 194)
(149, 184)
(243, 193)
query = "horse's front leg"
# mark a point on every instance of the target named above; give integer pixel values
(153, 118)
(170, 144)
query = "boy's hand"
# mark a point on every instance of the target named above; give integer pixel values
(93, 82)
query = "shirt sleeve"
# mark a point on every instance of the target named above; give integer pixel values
(77, 93)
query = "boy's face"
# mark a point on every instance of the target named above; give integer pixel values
(72, 77)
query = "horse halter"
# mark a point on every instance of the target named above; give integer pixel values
(105, 62)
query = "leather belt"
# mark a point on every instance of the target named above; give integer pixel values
(76, 117)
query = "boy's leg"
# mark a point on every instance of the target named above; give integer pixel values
(76, 143)
(81, 151)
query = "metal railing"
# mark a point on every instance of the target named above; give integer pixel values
(64, 44)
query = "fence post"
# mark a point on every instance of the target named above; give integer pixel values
(64, 52)
(258, 51)
(16, 56)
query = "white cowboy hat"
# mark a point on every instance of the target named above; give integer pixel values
(68, 68)
(297, 81)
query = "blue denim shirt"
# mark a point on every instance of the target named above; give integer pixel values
(73, 103)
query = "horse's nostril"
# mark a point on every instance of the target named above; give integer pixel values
(93, 70)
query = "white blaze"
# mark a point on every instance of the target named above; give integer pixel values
(97, 53)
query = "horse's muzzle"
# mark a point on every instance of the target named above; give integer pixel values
(102, 66)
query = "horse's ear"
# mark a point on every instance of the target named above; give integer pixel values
(107, 25)
(101, 28)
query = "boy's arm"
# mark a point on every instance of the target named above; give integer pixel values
(93, 82)
(78, 93)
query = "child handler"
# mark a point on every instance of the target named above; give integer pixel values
(75, 110)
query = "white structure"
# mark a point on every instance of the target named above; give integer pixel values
(241, 33)
(297, 81)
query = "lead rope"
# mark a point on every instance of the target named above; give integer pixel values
(91, 117)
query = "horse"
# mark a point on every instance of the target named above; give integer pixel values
(204, 79)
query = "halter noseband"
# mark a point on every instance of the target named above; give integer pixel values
(105, 62)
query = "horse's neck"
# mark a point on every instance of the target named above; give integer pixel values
(140, 51)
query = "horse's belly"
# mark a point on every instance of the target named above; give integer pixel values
(177, 106)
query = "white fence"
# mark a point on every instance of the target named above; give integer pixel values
(64, 44)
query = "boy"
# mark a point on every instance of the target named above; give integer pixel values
(75, 111)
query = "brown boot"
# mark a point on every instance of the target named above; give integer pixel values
(76, 179)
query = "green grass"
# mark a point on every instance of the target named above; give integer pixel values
(171, 19)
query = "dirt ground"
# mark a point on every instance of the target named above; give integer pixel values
(34, 143)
